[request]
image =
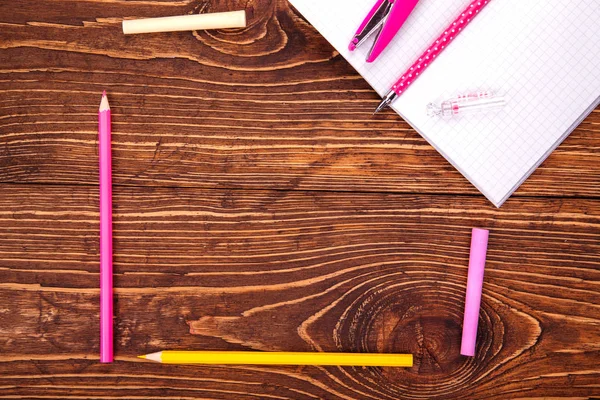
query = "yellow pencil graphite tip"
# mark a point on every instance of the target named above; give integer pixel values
(143, 356)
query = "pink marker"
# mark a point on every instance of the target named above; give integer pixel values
(479, 242)
(106, 273)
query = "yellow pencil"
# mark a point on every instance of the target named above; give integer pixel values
(281, 358)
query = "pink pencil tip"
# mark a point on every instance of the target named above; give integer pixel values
(351, 46)
(104, 102)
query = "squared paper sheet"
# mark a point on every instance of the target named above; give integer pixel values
(544, 55)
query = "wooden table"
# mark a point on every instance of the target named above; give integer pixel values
(259, 206)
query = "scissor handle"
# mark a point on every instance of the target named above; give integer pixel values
(398, 16)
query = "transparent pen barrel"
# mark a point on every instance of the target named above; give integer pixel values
(467, 104)
(451, 108)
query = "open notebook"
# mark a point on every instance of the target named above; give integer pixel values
(544, 55)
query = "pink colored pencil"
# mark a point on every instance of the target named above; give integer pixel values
(106, 273)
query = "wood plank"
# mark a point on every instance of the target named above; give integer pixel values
(276, 270)
(205, 261)
(272, 106)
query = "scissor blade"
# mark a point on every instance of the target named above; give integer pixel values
(372, 23)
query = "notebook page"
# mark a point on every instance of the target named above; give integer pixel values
(542, 54)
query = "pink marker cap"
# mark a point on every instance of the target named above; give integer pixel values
(479, 243)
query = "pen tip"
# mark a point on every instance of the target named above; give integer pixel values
(386, 101)
(379, 108)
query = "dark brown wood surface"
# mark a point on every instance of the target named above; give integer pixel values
(259, 206)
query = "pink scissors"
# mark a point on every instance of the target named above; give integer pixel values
(385, 18)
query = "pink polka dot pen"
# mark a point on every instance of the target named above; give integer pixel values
(432, 52)
(106, 273)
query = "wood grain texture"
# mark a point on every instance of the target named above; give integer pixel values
(272, 106)
(264, 270)
(259, 206)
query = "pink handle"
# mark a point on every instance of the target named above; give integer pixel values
(106, 273)
(479, 242)
(398, 16)
(439, 45)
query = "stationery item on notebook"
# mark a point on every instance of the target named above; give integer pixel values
(281, 358)
(384, 20)
(479, 243)
(436, 48)
(473, 102)
(223, 20)
(106, 278)
(544, 55)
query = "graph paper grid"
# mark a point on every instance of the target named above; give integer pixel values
(542, 54)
